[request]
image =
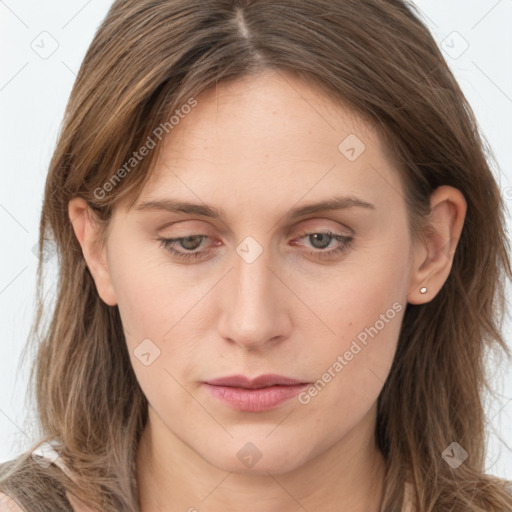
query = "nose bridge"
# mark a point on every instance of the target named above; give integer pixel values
(253, 312)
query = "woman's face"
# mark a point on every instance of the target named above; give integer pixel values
(261, 286)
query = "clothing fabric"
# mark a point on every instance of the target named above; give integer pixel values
(41, 492)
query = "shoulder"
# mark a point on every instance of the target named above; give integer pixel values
(27, 484)
(7, 504)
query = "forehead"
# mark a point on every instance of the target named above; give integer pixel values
(268, 110)
(273, 137)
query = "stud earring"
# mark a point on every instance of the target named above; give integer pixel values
(423, 290)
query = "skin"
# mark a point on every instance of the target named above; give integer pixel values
(256, 148)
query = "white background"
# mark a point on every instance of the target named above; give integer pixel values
(34, 88)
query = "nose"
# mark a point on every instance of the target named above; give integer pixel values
(254, 311)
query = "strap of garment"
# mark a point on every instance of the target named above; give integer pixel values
(46, 454)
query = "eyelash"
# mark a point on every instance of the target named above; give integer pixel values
(346, 242)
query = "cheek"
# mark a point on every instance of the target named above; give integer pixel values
(156, 302)
(350, 372)
(363, 308)
(149, 290)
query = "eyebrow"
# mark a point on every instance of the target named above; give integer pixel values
(175, 206)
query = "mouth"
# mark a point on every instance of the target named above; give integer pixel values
(260, 394)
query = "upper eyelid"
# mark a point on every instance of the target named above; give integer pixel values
(288, 231)
(300, 233)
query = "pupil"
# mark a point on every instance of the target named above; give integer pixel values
(185, 242)
(318, 236)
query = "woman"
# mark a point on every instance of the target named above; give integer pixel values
(282, 255)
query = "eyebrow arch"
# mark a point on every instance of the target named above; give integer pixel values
(174, 206)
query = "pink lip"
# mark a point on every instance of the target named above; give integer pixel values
(263, 381)
(254, 395)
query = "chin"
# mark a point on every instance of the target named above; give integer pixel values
(250, 459)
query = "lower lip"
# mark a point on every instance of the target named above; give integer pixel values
(255, 400)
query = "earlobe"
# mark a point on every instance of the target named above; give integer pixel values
(433, 255)
(88, 236)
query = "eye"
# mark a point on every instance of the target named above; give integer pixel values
(189, 243)
(322, 240)
(319, 240)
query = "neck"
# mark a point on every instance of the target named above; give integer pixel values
(348, 476)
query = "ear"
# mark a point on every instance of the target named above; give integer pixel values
(433, 255)
(94, 251)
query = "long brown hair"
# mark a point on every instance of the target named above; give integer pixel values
(150, 58)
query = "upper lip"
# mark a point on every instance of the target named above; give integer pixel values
(262, 381)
